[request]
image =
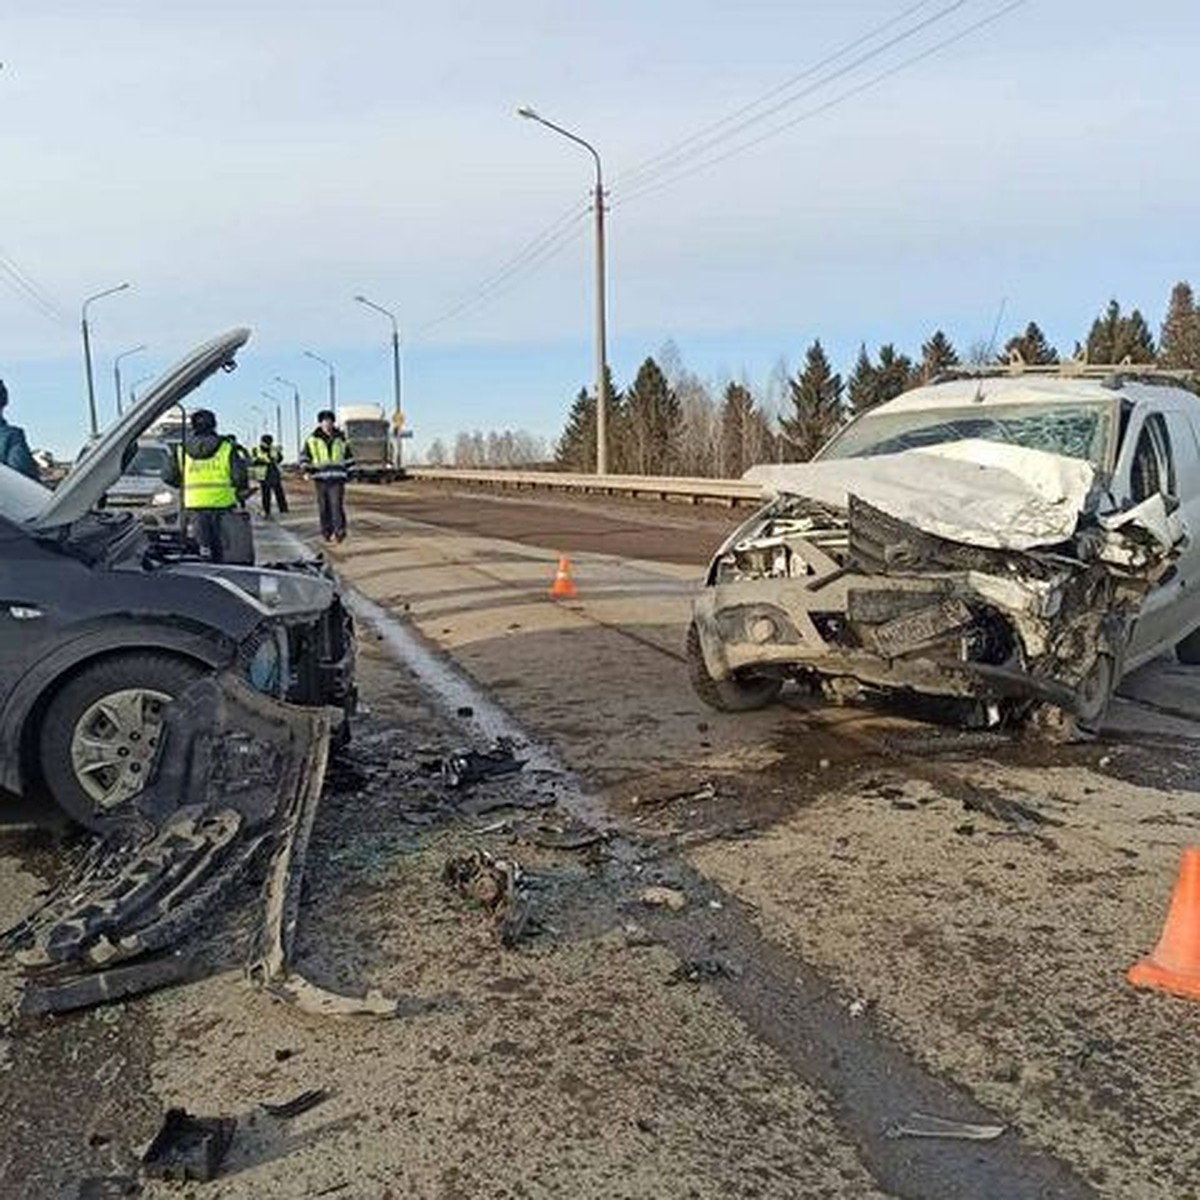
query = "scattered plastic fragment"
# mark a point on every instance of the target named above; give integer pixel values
(703, 970)
(495, 883)
(188, 1147)
(922, 1125)
(297, 1104)
(473, 766)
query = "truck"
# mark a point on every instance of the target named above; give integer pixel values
(369, 433)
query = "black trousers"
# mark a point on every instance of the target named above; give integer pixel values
(272, 489)
(206, 526)
(331, 505)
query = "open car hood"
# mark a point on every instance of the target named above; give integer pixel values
(980, 493)
(97, 470)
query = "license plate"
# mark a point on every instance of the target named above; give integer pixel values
(913, 630)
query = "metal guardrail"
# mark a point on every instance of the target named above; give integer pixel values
(663, 487)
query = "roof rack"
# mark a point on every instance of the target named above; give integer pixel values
(1072, 368)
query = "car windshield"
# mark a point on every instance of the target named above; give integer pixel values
(21, 498)
(149, 462)
(1075, 430)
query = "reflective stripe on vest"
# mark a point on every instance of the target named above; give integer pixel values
(208, 482)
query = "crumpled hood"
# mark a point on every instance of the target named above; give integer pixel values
(980, 493)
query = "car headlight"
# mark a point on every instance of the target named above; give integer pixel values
(166, 496)
(280, 593)
(266, 667)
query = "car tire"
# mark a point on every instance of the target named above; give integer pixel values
(1187, 650)
(743, 693)
(99, 731)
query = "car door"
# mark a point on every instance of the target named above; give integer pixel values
(1157, 439)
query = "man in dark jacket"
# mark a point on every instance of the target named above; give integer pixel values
(212, 471)
(14, 449)
(328, 460)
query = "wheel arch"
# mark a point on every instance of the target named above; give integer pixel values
(28, 700)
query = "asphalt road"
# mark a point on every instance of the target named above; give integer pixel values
(881, 917)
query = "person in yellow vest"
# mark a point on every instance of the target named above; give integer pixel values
(212, 471)
(327, 459)
(264, 470)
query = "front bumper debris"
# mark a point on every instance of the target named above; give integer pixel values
(238, 775)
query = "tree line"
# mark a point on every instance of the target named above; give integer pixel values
(668, 421)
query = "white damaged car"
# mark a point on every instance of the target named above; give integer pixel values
(1022, 539)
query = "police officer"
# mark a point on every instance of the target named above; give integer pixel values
(212, 470)
(328, 460)
(14, 449)
(264, 468)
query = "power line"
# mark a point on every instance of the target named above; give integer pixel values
(688, 148)
(25, 287)
(549, 243)
(841, 98)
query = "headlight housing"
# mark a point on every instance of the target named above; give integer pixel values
(166, 496)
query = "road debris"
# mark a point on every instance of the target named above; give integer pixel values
(188, 1148)
(692, 795)
(237, 774)
(922, 1125)
(573, 835)
(663, 897)
(703, 970)
(497, 884)
(296, 1105)
(467, 767)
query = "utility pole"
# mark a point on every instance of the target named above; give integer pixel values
(601, 331)
(332, 383)
(296, 407)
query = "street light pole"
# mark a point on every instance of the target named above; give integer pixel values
(117, 372)
(398, 410)
(296, 406)
(601, 332)
(278, 418)
(87, 352)
(133, 387)
(332, 384)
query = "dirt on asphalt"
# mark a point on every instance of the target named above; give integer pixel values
(879, 914)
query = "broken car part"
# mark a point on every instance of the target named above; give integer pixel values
(473, 766)
(296, 1105)
(922, 1125)
(497, 884)
(187, 1147)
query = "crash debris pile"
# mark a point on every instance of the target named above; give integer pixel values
(238, 775)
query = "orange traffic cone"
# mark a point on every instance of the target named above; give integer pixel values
(563, 586)
(1174, 964)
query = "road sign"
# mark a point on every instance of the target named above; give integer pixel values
(404, 433)
(398, 420)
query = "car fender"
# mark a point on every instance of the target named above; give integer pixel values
(212, 649)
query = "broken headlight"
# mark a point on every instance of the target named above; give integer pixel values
(264, 660)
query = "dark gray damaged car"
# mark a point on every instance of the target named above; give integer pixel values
(102, 626)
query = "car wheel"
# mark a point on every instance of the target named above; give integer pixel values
(743, 693)
(1188, 650)
(100, 731)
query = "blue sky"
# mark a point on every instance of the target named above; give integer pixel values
(261, 162)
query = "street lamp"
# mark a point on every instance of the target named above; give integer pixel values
(296, 405)
(278, 418)
(398, 413)
(332, 384)
(117, 372)
(87, 351)
(601, 352)
(133, 387)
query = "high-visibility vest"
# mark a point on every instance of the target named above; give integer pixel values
(327, 458)
(261, 460)
(208, 482)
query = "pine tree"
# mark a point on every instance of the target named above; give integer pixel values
(576, 449)
(737, 430)
(862, 387)
(1179, 342)
(937, 355)
(894, 374)
(653, 420)
(1032, 347)
(1114, 337)
(816, 397)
